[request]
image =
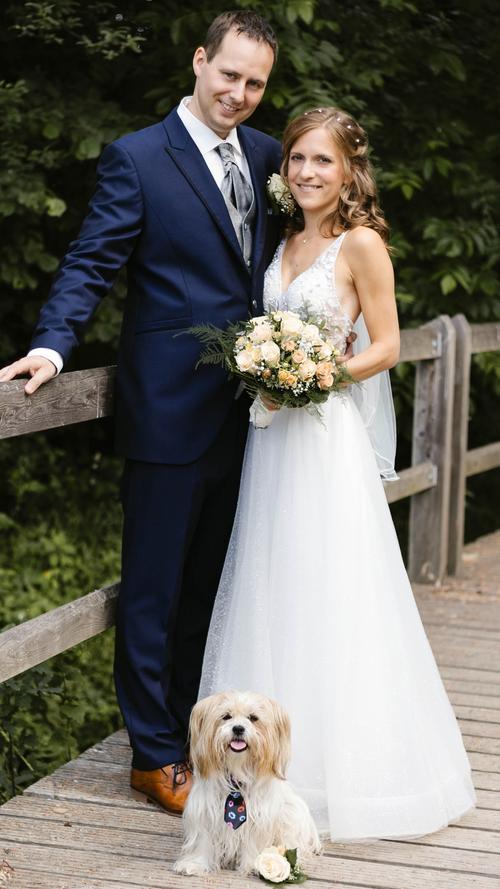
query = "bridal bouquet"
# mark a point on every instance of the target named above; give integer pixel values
(292, 361)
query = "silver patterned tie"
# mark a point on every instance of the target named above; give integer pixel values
(238, 195)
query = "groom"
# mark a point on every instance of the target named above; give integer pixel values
(183, 205)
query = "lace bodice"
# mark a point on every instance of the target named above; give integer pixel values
(311, 294)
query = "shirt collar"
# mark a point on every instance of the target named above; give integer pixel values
(204, 138)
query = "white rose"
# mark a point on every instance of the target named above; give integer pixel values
(261, 333)
(291, 324)
(270, 352)
(244, 361)
(310, 333)
(324, 351)
(272, 865)
(306, 369)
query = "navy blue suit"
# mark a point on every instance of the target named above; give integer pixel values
(158, 210)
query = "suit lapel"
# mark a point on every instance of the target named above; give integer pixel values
(190, 163)
(256, 165)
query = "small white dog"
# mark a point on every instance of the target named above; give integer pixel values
(240, 802)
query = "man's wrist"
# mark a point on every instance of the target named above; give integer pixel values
(51, 354)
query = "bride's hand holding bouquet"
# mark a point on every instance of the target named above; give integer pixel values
(283, 360)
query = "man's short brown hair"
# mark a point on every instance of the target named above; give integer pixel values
(243, 21)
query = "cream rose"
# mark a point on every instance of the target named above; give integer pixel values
(289, 345)
(244, 361)
(270, 353)
(310, 333)
(306, 369)
(272, 865)
(261, 333)
(324, 368)
(298, 356)
(324, 351)
(325, 382)
(291, 324)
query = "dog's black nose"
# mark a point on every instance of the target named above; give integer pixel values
(238, 730)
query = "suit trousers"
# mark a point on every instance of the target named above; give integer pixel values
(177, 524)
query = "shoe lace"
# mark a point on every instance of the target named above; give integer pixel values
(179, 772)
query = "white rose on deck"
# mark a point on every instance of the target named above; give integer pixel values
(272, 865)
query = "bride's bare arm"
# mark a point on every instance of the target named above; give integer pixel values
(373, 278)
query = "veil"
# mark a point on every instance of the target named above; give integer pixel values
(373, 398)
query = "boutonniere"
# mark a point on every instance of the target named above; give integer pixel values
(280, 196)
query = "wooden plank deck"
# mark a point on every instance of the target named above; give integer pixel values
(81, 828)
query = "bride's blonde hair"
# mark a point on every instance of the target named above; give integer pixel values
(358, 203)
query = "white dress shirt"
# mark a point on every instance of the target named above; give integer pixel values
(206, 142)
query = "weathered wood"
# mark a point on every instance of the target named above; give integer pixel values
(411, 481)
(432, 432)
(418, 344)
(69, 398)
(481, 745)
(485, 337)
(82, 827)
(152, 820)
(482, 459)
(39, 639)
(326, 871)
(459, 442)
(162, 846)
(454, 671)
(486, 780)
(30, 879)
(475, 728)
(88, 394)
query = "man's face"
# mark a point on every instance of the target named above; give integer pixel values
(229, 88)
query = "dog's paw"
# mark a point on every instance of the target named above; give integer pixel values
(192, 867)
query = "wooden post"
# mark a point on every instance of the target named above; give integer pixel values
(432, 428)
(459, 443)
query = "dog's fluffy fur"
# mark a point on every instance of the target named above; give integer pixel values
(276, 815)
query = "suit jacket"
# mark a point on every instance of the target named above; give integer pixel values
(158, 210)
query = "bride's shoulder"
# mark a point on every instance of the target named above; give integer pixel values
(363, 243)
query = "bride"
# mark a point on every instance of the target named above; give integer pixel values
(314, 606)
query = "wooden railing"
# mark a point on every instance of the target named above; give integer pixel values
(435, 479)
(471, 340)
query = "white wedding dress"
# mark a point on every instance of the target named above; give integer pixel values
(315, 609)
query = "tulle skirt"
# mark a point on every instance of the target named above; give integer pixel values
(315, 609)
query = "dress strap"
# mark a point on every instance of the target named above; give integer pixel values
(330, 255)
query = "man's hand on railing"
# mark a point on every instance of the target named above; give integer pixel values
(39, 369)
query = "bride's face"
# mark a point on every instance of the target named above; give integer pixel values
(316, 171)
(230, 86)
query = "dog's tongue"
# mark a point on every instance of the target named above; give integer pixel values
(238, 745)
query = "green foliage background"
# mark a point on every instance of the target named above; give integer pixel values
(75, 76)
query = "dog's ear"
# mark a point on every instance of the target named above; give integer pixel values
(282, 745)
(200, 735)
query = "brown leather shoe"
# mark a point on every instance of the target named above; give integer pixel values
(168, 786)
